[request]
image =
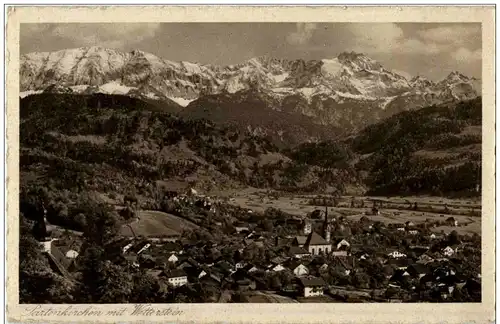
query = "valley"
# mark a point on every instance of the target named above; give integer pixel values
(467, 212)
(281, 181)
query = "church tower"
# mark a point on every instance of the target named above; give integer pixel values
(326, 226)
(307, 227)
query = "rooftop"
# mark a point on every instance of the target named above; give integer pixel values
(312, 281)
(315, 239)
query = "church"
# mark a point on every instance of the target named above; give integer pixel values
(312, 241)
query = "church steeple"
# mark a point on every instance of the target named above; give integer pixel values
(326, 226)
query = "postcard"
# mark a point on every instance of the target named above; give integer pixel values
(178, 164)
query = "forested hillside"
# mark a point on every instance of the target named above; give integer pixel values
(434, 150)
(116, 144)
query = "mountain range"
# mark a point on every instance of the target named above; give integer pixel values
(291, 101)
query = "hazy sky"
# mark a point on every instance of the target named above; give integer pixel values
(432, 50)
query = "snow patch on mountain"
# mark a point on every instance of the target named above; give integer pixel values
(307, 92)
(115, 87)
(387, 101)
(181, 101)
(332, 67)
(350, 79)
(279, 77)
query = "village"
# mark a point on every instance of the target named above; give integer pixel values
(201, 248)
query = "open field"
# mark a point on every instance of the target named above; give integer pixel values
(395, 210)
(155, 223)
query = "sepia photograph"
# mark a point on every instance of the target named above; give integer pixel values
(250, 162)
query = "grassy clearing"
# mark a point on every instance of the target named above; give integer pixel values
(155, 223)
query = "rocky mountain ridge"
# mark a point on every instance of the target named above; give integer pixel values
(347, 92)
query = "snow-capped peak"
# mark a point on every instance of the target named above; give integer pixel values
(358, 61)
(421, 82)
(349, 77)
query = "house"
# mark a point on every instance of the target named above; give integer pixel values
(399, 264)
(298, 252)
(413, 232)
(298, 269)
(400, 276)
(299, 241)
(364, 256)
(245, 284)
(419, 249)
(241, 229)
(451, 221)
(279, 259)
(211, 279)
(311, 286)
(341, 253)
(307, 227)
(417, 270)
(171, 247)
(250, 268)
(323, 267)
(144, 248)
(343, 245)
(409, 224)
(132, 260)
(71, 254)
(176, 277)
(425, 258)
(396, 254)
(432, 236)
(127, 247)
(147, 261)
(188, 263)
(58, 260)
(223, 267)
(275, 267)
(449, 251)
(315, 244)
(240, 265)
(173, 258)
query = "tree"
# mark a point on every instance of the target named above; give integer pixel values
(101, 280)
(37, 282)
(267, 225)
(453, 238)
(115, 284)
(102, 225)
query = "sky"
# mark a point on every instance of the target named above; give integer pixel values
(428, 49)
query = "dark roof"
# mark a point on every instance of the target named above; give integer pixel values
(301, 239)
(398, 276)
(314, 239)
(312, 281)
(388, 270)
(399, 262)
(419, 268)
(155, 272)
(297, 250)
(223, 265)
(176, 273)
(171, 246)
(292, 264)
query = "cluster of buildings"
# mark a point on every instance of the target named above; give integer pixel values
(308, 260)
